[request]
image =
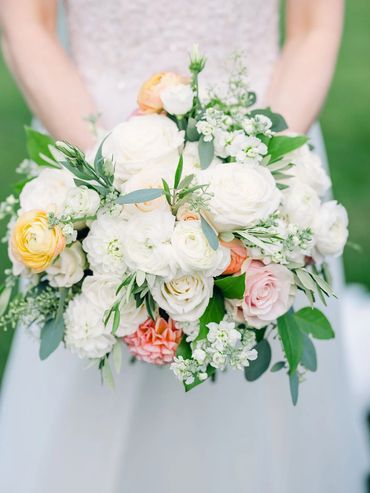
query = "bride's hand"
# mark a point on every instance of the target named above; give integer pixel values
(44, 72)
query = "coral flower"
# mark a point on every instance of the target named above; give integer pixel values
(238, 254)
(34, 243)
(155, 342)
(149, 99)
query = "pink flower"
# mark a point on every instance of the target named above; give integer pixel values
(155, 342)
(238, 254)
(269, 293)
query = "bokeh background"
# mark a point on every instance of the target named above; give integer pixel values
(345, 122)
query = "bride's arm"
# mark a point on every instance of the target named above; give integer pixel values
(46, 75)
(304, 71)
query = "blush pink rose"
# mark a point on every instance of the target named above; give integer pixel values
(269, 293)
(155, 342)
(238, 254)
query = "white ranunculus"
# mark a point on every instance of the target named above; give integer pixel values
(331, 229)
(142, 141)
(147, 243)
(101, 293)
(177, 99)
(104, 245)
(301, 204)
(243, 195)
(184, 298)
(47, 192)
(194, 253)
(68, 268)
(81, 202)
(308, 169)
(86, 334)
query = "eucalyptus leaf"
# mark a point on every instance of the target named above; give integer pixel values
(232, 287)
(139, 196)
(108, 375)
(52, 332)
(279, 365)
(294, 387)
(117, 356)
(314, 322)
(291, 338)
(206, 152)
(209, 233)
(258, 366)
(308, 358)
(192, 134)
(186, 181)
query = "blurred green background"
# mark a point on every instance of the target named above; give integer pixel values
(345, 123)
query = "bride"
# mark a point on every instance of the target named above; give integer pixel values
(60, 430)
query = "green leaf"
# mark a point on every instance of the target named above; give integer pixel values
(210, 233)
(116, 319)
(139, 196)
(99, 160)
(53, 331)
(38, 147)
(294, 386)
(232, 287)
(167, 191)
(324, 286)
(210, 371)
(178, 173)
(258, 366)
(214, 312)
(186, 181)
(117, 356)
(279, 365)
(192, 134)
(150, 306)
(107, 375)
(184, 349)
(306, 279)
(278, 122)
(308, 358)
(291, 338)
(281, 145)
(313, 321)
(206, 152)
(5, 299)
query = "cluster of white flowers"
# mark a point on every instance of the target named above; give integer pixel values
(225, 346)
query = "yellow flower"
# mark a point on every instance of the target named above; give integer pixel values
(34, 243)
(149, 98)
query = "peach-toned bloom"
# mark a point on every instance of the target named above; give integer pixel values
(269, 293)
(238, 254)
(149, 99)
(34, 243)
(185, 213)
(155, 342)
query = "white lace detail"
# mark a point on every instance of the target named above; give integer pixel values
(117, 44)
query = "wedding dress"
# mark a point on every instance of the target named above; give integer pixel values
(62, 431)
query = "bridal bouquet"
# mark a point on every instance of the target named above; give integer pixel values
(186, 237)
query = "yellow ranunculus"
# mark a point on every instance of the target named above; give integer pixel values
(34, 243)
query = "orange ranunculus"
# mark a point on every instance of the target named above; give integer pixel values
(238, 254)
(34, 243)
(149, 99)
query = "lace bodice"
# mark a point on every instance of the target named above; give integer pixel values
(117, 44)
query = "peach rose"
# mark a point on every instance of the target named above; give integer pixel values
(34, 243)
(269, 293)
(149, 99)
(185, 213)
(238, 254)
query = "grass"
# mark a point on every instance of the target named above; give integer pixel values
(345, 122)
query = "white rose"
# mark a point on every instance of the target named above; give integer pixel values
(147, 243)
(331, 229)
(104, 245)
(47, 192)
(101, 293)
(177, 99)
(194, 253)
(308, 170)
(140, 142)
(184, 298)
(86, 334)
(301, 204)
(68, 268)
(81, 202)
(243, 195)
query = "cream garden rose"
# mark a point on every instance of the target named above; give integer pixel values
(68, 268)
(81, 202)
(242, 195)
(301, 205)
(269, 293)
(331, 229)
(177, 99)
(193, 252)
(184, 298)
(47, 191)
(142, 142)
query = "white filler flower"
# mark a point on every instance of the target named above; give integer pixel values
(68, 268)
